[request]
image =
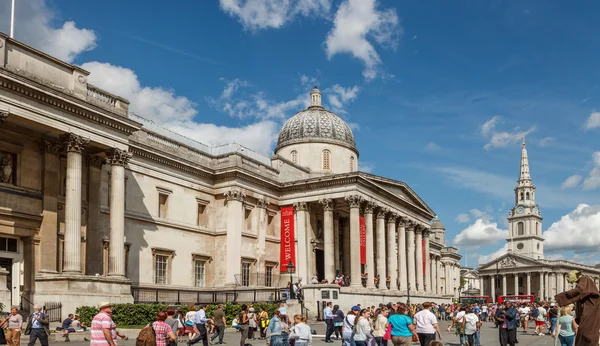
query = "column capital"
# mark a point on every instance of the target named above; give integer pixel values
(118, 157)
(300, 206)
(528, 274)
(262, 202)
(235, 195)
(369, 206)
(354, 200)
(392, 216)
(52, 148)
(381, 213)
(3, 116)
(327, 204)
(96, 161)
(410, 225)
(426, 232)
(73, 143)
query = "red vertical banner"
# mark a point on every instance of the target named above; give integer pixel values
(288, 248)
(424, 259)
(363, 241)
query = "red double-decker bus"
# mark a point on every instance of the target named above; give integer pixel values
(474, 299)
(530, 298)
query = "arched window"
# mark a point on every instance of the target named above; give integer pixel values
(521, 196)
(351, 163)
(326, 160)
(294, 156)
(520, 230)
(527, 196)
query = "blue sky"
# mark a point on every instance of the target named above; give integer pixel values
(438, 93)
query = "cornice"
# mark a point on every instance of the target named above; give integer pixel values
(38, 92)
(141, 152)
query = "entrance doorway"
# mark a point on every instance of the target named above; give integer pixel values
(320, 264)
(7, 263)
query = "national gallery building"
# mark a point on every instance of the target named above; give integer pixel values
(99, 204)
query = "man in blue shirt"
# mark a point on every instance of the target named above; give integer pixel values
(37, 327)
(328, 317)
(512, 322)
(200, 321)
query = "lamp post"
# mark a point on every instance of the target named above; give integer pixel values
(291, 268)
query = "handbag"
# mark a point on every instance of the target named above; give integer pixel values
(388, 333)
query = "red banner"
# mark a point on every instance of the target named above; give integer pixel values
(363, 241)
(288, 248)
(425, 254)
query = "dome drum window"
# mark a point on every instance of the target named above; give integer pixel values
(326, 160)
(294, 156)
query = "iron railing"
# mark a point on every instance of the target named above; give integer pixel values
(189, 297)
(54, 311)
(26, 305)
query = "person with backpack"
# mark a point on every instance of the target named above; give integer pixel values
(158, 333)
(469, 326)
(348, 326)
(540, 320)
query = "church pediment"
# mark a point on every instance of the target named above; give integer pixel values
(509, 261)
(399, 189)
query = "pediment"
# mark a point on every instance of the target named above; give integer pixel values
(399, 189)
(509, 261)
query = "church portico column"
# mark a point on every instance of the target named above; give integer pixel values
(355, 274)
(541, 287)
(392, 256)
(528, 283)
(419, 259)
(493, 288)
(381, 261)
(516, 278)
(410, 239)
(370, 245)
(328, 243)
(552, 286)
(74, 145)
(427, 273)
(116, 253)
(402, 276)
(503, 284)
(546, 292)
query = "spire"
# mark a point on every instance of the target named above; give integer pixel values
(315, 97)
(524, 176)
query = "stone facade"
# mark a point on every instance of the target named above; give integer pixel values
(523, 269)
(98, 204)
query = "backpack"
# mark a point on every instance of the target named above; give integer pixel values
(535, 313)
(146, 337)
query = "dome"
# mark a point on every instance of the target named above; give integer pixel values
(437, 224)
(316, 124)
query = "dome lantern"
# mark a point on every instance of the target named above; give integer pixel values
(315, 97)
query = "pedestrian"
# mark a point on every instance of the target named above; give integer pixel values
(243, 323)
(14, 328)
(552, 317)
(328, 317)
(512, 320)
(275, 331)
(469, 326)
(37, 327)
(163, 332)
(200, 322)
(173, 323)
(427, 325)
(220, 323)
(263, 321)
(190, 327)
(300, 332)
(338, 321)
(362, 330)
(403, 330)
(540, 319)
(102, 326)
(252, 323)
(380, 326)
(348, 326)
(567, 327)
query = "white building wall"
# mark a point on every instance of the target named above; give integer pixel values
(310, 155)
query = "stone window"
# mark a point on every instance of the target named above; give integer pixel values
(162, 260)
(520, 230)
(271, 223)
(352, 169)
(9, 244)
(248, 219)
(294, 156)
(202, 217)
(527, 196)
(163, 202)
(520, 246)
(326, 160)
(199, 272)
(269, 275)
(521, 196)
(245, 274)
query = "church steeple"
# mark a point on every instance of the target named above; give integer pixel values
(524, 177)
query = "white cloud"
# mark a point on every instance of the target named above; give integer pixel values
(504, 138)
(546, 141)
(480, 233)
(177, 113)
(265, 14)
(365, 167)
(592, 181)
(577, 231)
(593, 121)
(483, 259)
(571, 182)
(35, 25)
(463, 218)
(338, 96)
(356, 23)
(432, 147)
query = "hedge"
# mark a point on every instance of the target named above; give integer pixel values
(142, 314)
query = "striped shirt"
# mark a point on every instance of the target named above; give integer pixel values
(100, 322)
(162, 331)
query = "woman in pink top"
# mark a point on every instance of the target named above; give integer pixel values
(164, 334)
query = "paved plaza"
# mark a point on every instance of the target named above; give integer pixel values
(489, 336)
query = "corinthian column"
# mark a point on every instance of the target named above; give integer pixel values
(235, 224)
(74, 146)
(370, 245)
(302, 269)
(392, 256)
(434, 275)
(410, 238)
(116, 253)
(328, 242)
(419, 259)
(381, 247)
(427, 262)
(355, 277)
(402, 278)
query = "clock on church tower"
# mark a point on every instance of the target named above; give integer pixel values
(525, 220)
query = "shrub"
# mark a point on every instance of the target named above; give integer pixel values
(142, 314)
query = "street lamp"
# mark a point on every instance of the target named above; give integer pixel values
(291, 268)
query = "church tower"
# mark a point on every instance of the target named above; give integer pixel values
(525, 219)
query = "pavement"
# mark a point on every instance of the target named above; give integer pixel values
(489, 336)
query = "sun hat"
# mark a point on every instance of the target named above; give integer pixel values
(103, 305)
